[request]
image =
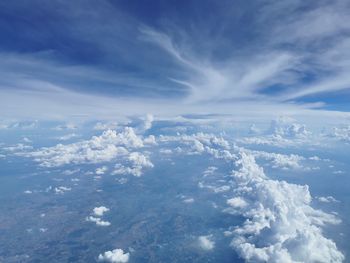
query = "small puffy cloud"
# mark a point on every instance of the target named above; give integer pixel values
(139, 159)
(206, 242)
(150, 140)
(101, 170)
(62, 189)
(67, 137)
(147, 124)
(99, 211)
(114, 256)
(327, 199)
(165, 151)
(26, 139)
(188, 200)
(138, 162)
(98, 221)
(237, 202)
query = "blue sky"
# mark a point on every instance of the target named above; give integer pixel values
(86, 58)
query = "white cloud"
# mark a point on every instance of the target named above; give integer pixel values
(147, 123)
(278, 160)
(99, 211)
(66, 126)
(284, 131)
(19, 147)
(151, 139)
(138, 162)
(98, 221)
(98, 149)
(139, 159)
(237, 202)
(114, 256)
(62, 189)
(341, 133)
(105, 126)
(101, 170)
(280, 225)
(26, 139)
(327, 199)
(188, 200)
(67, 137)
(206, 242)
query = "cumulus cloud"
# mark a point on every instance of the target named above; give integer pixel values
(288, 127)
(206, 242)
(98, 221)
(341, 133)
(278, 160)
(281, 225)
(327, 199)
(101, 170)
(105, 126)
(99, 211)
(237, 202)
(284, 131)
(147, 122)
(138, 162)
(98, 149)
(200, 143)
(114, 256)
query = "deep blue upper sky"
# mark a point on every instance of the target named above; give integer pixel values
(190, 51)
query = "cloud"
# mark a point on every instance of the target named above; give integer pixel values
(282, 161)
(114, 256)
(98, 221)
(138, 162)
(341, 133)
(65, 126)
(101, 170)
(206, 242)
(99, 211)
(213, 66)
(327, 199)
(236, 202)
(67, 137)
(280, 225)
(62, 189)
(102, 148)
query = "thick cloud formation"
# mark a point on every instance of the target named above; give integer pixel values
(99, 149)
(280, 225)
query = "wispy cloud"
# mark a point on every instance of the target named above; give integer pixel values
(229, 61)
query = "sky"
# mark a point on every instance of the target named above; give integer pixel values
(99, 59)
